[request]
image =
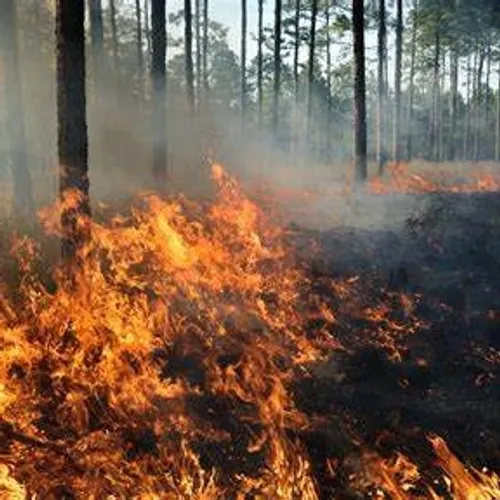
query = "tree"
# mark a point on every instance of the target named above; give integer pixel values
(359, 102)
(277, 63)
(159, 49)
(381, 85)
(72, 123)
(188, 45)
(243, 60)
(260, 43)
(310, 69)
(96, 32)
(138, 33)
(397, 83)
(24, 206)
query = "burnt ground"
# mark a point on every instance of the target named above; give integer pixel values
(446, 380)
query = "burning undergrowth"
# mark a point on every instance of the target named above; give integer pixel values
(202, 355)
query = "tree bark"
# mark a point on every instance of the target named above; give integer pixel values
(310, 68)
(328, 80)
(479, 102)
(467, 110)
(296, 49)
(114, 33)
(158, 74)
(205, 50)
(243, 89)
(24, 206)
(359, 104)
(396, 154)
(381, 94)
(146, 27)
(72, 125)
(411, 90)
(277, 64)
(96, 33)
(188, 44)
(260, 42)
(433, 142)
(453, 102)
(197, 30)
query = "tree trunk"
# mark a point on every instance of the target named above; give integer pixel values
(467, 109)
(260, 42)
(359, 104)
(453, 102)
(479, 102)
(486, 116)
(188, 44)
(433, 142)
(277, 64)
(114, 33)
(328, 81)
(158, 74)
(409, 125)
(310, 68)
(441, 125)
(296, 48)
(146, 27)
(96, 33)
(243, 61)
(205, 50)
(497, 131)
(381, 57)
(24, 207)
(72, 124)
(397, 83)
(140, 56)
(198, 49)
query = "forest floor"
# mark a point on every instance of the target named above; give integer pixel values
(415, 342)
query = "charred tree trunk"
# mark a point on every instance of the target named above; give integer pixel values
(188, 44)
(277, 64)
(433, 139)
(72, 124)
(114, 33)
(409, 125)
(24, 206)
(147, 27)
(260, 43)
(396, 154)
(486, 115)
(453, 103)
(328, 80)
(158, 74)
(243, 89)
(359, 104)
(381, 57)
(310, 69)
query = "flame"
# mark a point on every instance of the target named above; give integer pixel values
(166, 370)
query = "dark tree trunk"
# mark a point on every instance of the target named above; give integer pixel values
(296, 48)
(159, 49)
(277, 64)
(96, 33)
(205, 49)
(433, 142)
(260, 43)
(479, 103)
(396, 154)
(114, 33)
(310, 69)
(243, 61)
(453, 102)
(188, 44)
(486, 115)
(146, 27)
(72, 123)
(381, 87)
(467, 110)
(328, 80)
(197, 30)
(24, 207)
(140, 56)
(359, 104)
(411, 90)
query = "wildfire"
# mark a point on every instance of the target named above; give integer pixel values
(167, 371)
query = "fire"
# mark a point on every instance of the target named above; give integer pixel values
(167, 371)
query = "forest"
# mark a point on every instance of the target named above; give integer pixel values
(249, 249)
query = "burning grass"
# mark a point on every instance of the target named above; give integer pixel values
(201, 355)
